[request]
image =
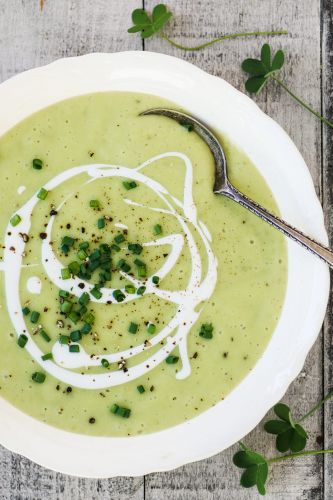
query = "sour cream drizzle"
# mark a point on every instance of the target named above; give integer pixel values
(199, 288)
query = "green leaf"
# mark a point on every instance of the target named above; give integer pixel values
(140, 17)
(262, 475)
(249, 477)
(282, 411)
(158, 11)
(147, 32)
(301, 431)
(244, 459)
(149, 25)
(276, 426)
(266, 56)
(298, 442)
(159, 23)
(278, 61)
(255, 84)
(283, 440)
(254, 67)
(134, 29)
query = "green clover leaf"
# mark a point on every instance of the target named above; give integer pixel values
(289, 434)
(260, 69)
(149, 25)
(256, 469)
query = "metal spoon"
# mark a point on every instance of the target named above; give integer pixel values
(223, 186)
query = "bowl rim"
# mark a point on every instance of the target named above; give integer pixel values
(167, 76)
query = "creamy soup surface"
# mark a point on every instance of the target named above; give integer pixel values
(132, 298)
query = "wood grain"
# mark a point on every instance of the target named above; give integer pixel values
(30, 37)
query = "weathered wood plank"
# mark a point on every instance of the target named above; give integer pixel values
(193, 23)
(327, 65)
(28, 38)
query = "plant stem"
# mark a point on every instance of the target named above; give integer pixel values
(318, 405)
(221, 38)
(299, 454)
(302, 103)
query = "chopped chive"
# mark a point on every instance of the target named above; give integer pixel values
(94, 204)
(15, 220)
(114, 408)
(129, 288)
(151, 328)
(22, 340)
(68, 241)
(89, 318)
(65, 273)
(47, 356)
(189, 127)
(101, 223)
(64, 339)
(84, 245)
(206, 331)
(74, 267)
(119, 238)
(44, 335)
(105, 276)
(82, 310)
(135, 248)
(120, 411)
(42, 193)
(74, 316)
(105, 363)
(25, 311)
(34, 316)
(142, 272)
(96, 293)
(64, 249)
(38, 377)
(66, 306)
(115, 248)
(86, 329)
(139, 263)
(75, 336)
(82, 255)
(84, 299)
(129, 185)
(133, 327)
(171, 360)
(158, 229)
(118, 295)
(123, 266)
(141, 389)
(64, 294)
(155, 280)
(141, 290)
(95, 255)
(37, 164)
(74, 348)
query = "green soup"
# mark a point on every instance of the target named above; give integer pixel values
(132, 298)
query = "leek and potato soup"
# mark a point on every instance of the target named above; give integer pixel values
(132, 297)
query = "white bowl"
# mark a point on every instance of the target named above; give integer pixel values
(276, 157)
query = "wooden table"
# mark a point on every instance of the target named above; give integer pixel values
(30, 37)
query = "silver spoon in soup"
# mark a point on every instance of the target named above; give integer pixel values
(224, 187)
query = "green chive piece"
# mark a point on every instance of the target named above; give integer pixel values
(155, 280)
(95, 255)
(141, 389)
(129, 288)
(37, 164)
(96, 293)
(158, 229)
(82, 255)
(141, 290)
(74, 317)
(151, 328)
(15, 220)
(105, 363)
(44, 335)
(133, 327)
(64, 249)
(84, 299)
(42, 193)
(118, 295)
(142, 272)
(65, 273)
(82, 310)
(101, 223)
(120, 411)
(189, 127)
(206, 331)
(120, 238)
(114, 408)
(84, 245)
(47, 356)
(38, 377)
(75, 336)
(123, 266)
(129, 185)
(74, 348)
(25, 311)
(68, 241)
(135, 248)
(22, 340)
(94, 204)
(64, 339)
(64, 294)
(115, 248)
(34, 317)
(86, 329)
(89, 318)
(66, 306)
(171, 360)
(74, 267)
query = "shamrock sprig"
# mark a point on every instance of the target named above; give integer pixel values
(149, 25)
(290, 435)
(261, 70)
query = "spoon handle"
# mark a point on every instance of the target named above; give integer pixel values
(310, 244)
